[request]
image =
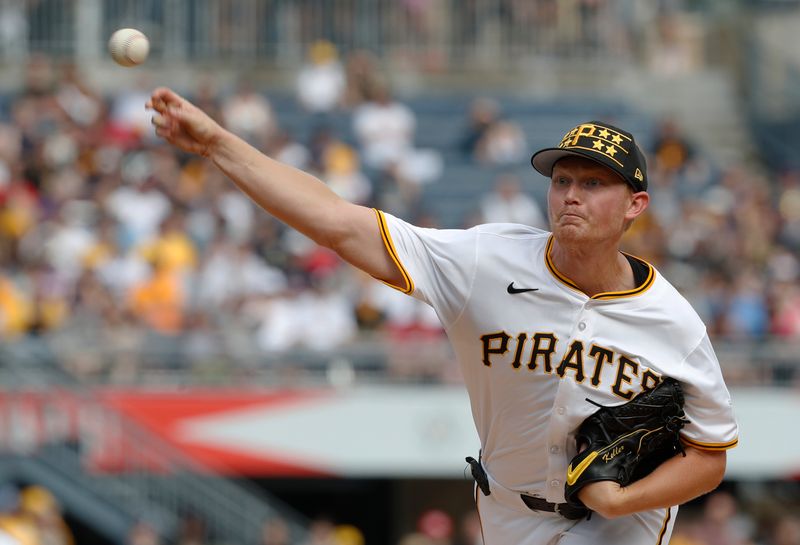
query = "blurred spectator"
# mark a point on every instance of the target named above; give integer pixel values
(206, 97)
(417, 168)
(128, 117)
(158, 302)
(786, 531)
(139, 205)
(103, 247)
(16, 526)
(320, 84)
(437, 526)
(82, 105)
(483, 113)
(39, 78)
(192, 530)
(172, 248)
(275, 531)
(722, 523)
(13, 30)
(44, 510)
(143, 534)
(361, 76)
(284, 148)
(67, 239)
(788, 207)
(508, 204)
(675, 47)
(231, 273)
(682, 532)
(321, 532)
(342, 173)
(321, 140)
(268, 243)
(15, 309)
(19, 213)
(503, 143)
(747, 314)
(671, 150)
(48, 292)
(384, 128)
(469, 529)
(414, 334)
(118, 269)
(294, 318)
(237, 210)
(490, 139)
(786, 304)
(249, 114)
(347, 534)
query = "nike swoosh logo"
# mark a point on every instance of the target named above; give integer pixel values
(512, 290)
(573, 474)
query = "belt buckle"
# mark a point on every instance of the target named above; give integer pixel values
(557, 509)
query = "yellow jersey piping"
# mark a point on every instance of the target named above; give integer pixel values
(664, 525)
(386, 236)
(710, 446)
(643, 287)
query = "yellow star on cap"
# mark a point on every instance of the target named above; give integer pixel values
(597, 144)
(604, 133)
(617, 139)
(611, 150)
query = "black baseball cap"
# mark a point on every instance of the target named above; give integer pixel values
(603, 143)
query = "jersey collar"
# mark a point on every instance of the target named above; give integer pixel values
(643, 287)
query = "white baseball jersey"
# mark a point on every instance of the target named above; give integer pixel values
(532, 346)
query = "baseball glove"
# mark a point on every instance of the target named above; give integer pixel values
(627, 442)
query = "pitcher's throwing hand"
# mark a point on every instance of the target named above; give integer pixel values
(181, 123)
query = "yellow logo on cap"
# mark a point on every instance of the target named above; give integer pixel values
(638, 175)
(598, 139)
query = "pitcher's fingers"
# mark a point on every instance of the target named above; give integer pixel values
(160, 121)
(156, 104)
(178, 112)
(166, 95)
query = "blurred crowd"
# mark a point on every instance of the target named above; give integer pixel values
(121, 252)
(112, 240)
(32, 515)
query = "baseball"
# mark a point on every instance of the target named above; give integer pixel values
(128, 47)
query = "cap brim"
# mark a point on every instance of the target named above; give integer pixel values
(544, 160)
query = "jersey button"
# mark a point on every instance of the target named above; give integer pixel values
(554, 450)
(555, 483)
(561, 410)
(582, 326)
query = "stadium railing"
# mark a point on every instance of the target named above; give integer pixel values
(451, 34)
(60, 433)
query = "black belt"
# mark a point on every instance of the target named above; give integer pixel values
(566, 510)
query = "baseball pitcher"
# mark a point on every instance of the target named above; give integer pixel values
(594, 388)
